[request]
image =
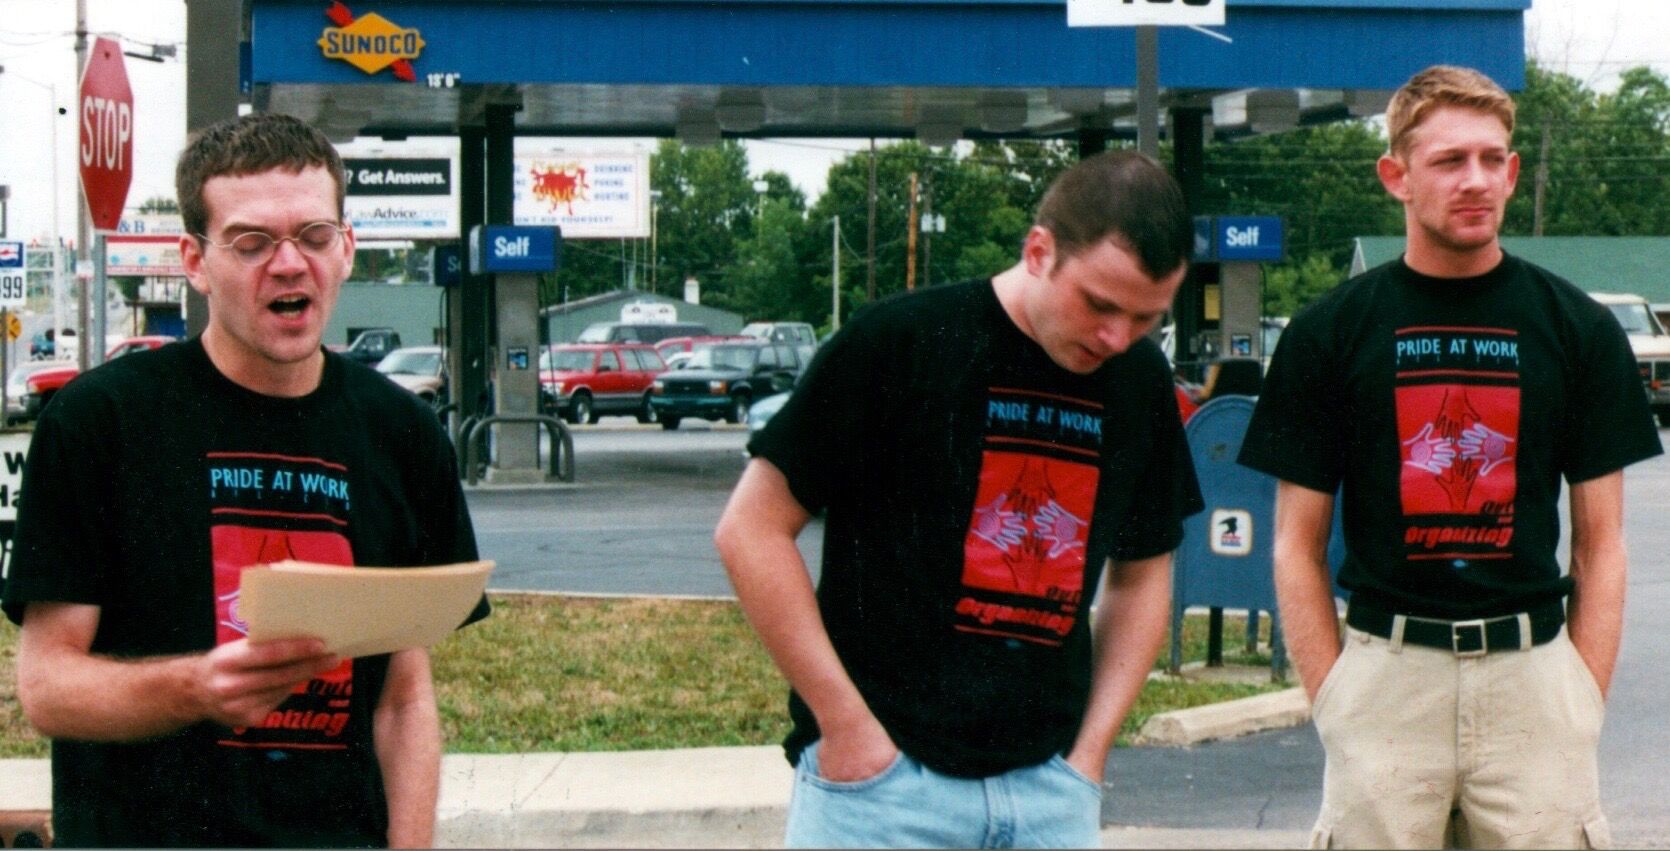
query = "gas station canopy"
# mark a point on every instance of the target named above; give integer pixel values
(937, 70)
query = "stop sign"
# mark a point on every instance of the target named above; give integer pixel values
(106, 134)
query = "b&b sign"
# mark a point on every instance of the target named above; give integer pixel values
(1142, 13)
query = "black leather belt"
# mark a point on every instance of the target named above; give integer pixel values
(1464, 638)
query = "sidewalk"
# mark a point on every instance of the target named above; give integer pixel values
(690, 798)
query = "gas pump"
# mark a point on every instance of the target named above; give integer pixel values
(1219, 314)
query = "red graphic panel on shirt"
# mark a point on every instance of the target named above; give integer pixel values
(266, 508)
(1458, 406)
(1024, 552)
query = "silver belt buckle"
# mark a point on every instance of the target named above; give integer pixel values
(1457, 631)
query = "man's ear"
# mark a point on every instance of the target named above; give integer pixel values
(1513, 172)
(1394, 173)
(191, 259)
(1038, 251)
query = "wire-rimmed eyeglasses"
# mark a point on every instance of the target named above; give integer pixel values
(254, 247)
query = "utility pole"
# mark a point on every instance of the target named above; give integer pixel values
(835, 279)
(83, 223)
(1542, 180)
(910, 238)
(870, 242)
(1148, 90)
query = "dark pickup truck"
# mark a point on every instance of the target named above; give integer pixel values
(371, 345)
(722, 380)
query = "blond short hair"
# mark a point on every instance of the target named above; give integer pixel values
(1439, 86)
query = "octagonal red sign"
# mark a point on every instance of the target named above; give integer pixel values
(106, 110)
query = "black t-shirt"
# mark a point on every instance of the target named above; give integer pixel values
(151, 482)
(1449, 409)
(972, 491)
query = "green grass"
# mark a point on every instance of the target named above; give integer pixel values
(582, 674)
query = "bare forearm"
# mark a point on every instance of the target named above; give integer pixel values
(1130, 626)
(776, 594)
(97, 698)
(1596, 622)
(1600, 571)
(1310, 622)
(406, 731)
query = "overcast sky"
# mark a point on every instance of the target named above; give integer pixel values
(1590, 39)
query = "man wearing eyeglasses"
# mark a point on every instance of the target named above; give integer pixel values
(156, 479)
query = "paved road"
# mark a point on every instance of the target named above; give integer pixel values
(639, 519)
(640, 522)
(1273, 780)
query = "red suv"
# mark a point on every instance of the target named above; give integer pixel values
(583, 381)
(40, 386)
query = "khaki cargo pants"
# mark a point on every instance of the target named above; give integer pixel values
(1505, 742)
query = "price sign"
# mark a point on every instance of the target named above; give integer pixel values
(13, 279)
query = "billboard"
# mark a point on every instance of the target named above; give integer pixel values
(402, 190)
(590, 195)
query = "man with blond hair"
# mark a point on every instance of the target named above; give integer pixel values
(1444, 395)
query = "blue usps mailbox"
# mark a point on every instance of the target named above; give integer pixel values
(1226, 558)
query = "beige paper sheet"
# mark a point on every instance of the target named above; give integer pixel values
(360, 611)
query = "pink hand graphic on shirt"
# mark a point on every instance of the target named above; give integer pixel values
(1059, 527)
(1429, 453)
(1004, 529)
(1484, 443)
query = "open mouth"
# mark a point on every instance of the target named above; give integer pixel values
(290, 307)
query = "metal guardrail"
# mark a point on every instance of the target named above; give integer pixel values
(562, 443)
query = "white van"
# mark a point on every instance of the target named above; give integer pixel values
(1651, 345)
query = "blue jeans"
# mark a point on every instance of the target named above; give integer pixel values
(907, 805)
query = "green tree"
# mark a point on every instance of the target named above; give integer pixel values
(159, 204)
(1602, 160)
(1292, 285)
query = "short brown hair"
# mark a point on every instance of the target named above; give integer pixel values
(1124, 195)
(1438, 86)
(249, 144)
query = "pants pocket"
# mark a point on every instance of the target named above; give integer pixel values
(1330, 682)
(812, 776)
(1061, 764)
(1586, 677)
(1597, 833)
(1321, 836)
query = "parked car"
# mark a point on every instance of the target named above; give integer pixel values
(723, 380)
(1650, 343)
(420, 369)
(762, 411)
(583, 381)
(371, 345)
(17, 388)
(798, 334)
(676, 345)
(639, 332)
(44, 346)
(40, 386)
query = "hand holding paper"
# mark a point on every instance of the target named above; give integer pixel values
(360, 611)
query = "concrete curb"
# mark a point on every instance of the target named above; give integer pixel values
(690, 797)
(1184, 727)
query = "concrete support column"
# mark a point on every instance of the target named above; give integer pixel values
(1189, 167)
(467, 302)
(1092, 141)
(213, 29)
(513, 317)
